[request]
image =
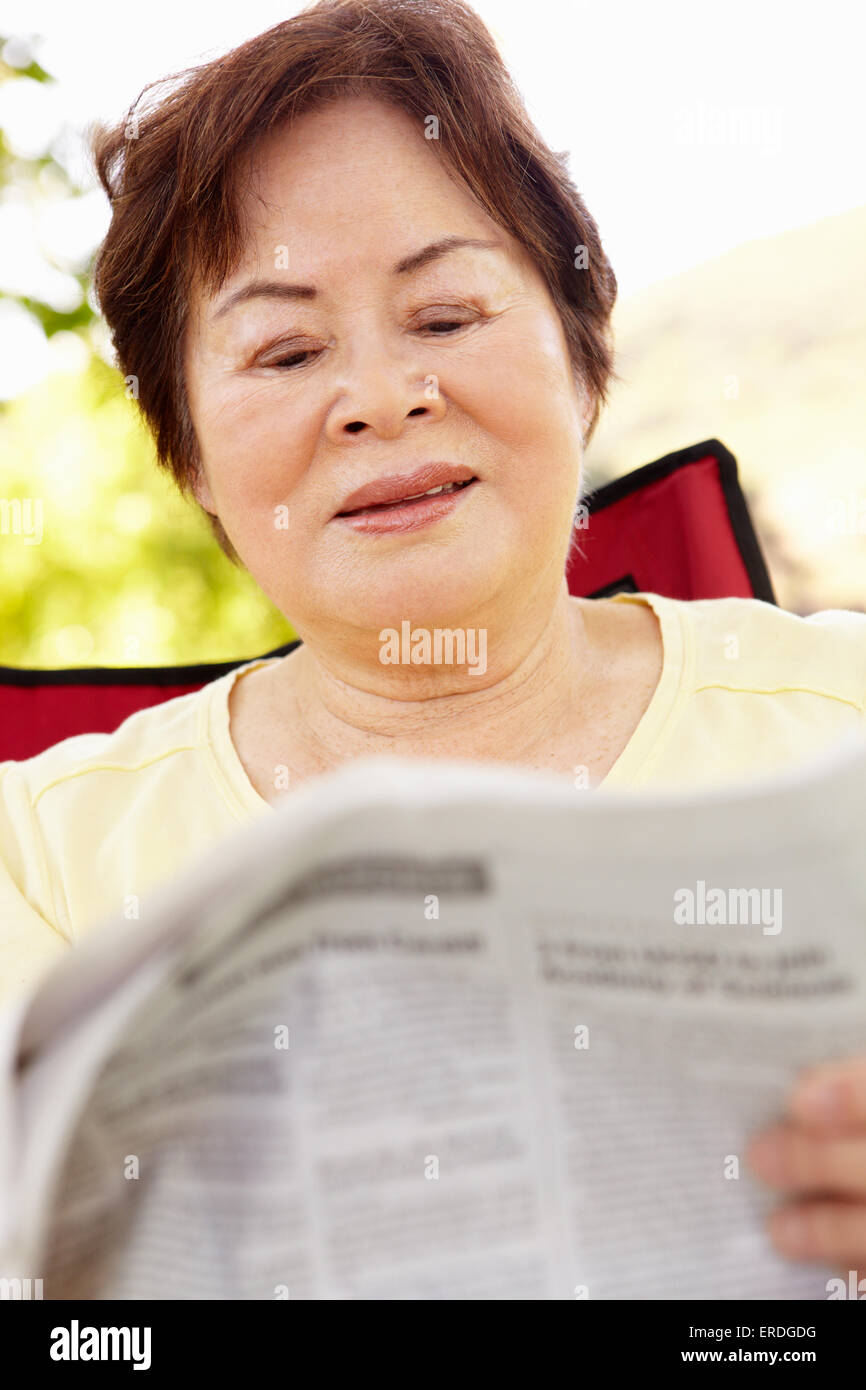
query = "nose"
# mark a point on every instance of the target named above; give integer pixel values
(381, 391)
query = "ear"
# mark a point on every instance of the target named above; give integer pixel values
(588, 412)
(201, 490)
(586, 405)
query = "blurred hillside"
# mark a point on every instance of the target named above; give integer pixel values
(764, 349)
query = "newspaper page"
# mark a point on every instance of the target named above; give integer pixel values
(445, 1032)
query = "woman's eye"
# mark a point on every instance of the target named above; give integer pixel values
(291, 359)
(447, 324)
(440, 328)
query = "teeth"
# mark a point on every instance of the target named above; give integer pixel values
(444, 487)
(431, 492)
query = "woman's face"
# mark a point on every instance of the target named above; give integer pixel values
(299, 400)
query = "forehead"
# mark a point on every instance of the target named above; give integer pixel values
(354, 178)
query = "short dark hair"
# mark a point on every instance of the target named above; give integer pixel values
(170, 168)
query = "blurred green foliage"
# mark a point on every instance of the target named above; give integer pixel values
(101, 560)
(126, 571)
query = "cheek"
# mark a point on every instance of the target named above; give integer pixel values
(254, 448)
(520, 390)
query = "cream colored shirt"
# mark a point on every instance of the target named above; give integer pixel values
(88, 826)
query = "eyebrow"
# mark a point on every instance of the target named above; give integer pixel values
(279, 289)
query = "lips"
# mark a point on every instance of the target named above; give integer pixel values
(430, 478)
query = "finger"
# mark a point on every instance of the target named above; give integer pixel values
(831, 1231)
(793, 1160)
(831, 1097)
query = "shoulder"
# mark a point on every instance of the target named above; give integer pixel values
(748, 644)
(143, 739)
(99, 816)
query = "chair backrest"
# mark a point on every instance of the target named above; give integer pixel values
(679, 527)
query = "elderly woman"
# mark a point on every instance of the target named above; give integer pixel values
(366, 315)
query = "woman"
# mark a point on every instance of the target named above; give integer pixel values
(367, 319)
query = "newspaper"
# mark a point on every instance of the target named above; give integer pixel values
(441, 1031)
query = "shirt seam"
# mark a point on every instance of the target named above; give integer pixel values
(783, 690)
(65, 931)
(113, 767)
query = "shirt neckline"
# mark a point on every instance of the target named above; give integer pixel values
(636, 757)
(643, 748)
(223, 759)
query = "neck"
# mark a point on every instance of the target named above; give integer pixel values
(535, 691)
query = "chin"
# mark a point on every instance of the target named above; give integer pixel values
(440, 592)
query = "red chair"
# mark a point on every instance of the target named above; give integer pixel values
(679, 526)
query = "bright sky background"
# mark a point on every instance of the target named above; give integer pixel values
(691, 128)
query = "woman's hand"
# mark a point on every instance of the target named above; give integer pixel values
(817, 1157)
